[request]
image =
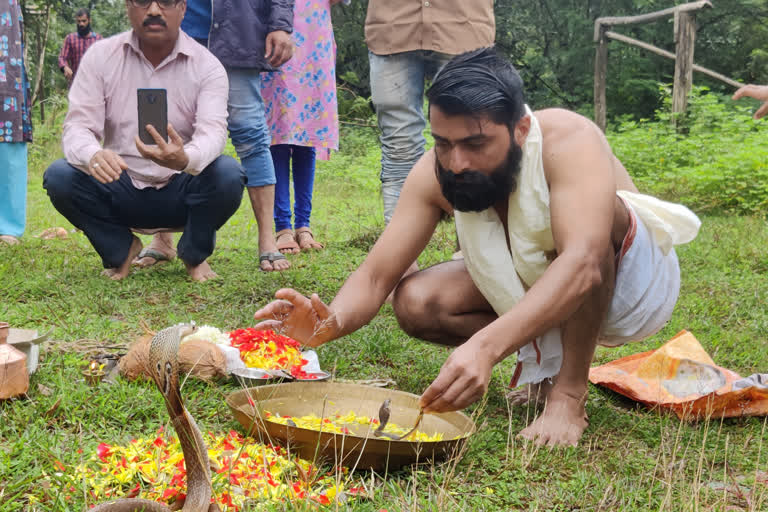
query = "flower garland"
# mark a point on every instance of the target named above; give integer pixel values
(269, 351)
(249, 473)
(339, 424)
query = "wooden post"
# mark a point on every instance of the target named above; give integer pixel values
(601, 72)
(685, 39)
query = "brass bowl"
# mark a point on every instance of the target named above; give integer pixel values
(359, 449)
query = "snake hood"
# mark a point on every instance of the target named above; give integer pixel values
(165, 365)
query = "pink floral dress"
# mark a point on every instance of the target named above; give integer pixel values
(300, 99)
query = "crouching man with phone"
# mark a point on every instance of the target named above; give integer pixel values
(147, 174)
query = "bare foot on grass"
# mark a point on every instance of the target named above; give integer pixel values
(562, 422)
(159, 250)
(121, 272)
(201, 272)
(534, 394)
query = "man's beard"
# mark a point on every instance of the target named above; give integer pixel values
(474, 191)
(84, 31)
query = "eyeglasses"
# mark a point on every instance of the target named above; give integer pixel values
(164, 4)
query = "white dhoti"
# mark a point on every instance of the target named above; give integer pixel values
(647, 288)
(503, 265)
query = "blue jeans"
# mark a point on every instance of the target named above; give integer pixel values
(107, 212)
(13, 188)
(397, 91)
(302, 160)
(248, 126)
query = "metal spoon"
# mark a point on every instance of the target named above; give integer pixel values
(384, 413)
(415, 426)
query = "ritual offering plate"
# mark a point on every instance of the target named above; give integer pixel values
(255, 357)
(257, 377)
(335, 423)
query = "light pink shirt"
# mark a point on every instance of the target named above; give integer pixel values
(103, 105)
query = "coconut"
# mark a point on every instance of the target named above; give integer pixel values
(199, 358)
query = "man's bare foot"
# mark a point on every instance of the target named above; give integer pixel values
(124, 269)
(159, 250)
(410, 270)
(201, 272)
(535, 394)
(562, 422)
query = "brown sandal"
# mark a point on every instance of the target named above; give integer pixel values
(286, 242)
(307, 241)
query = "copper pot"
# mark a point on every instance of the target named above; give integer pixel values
(14, 378)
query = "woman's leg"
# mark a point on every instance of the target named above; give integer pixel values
(303, 184)
(281, 157)
(13, 190)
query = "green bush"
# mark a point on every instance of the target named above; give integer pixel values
(717, 161)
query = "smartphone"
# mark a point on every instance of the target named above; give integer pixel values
(153, 109)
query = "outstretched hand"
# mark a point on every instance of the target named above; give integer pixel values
(307, 320)
(462, 381)
(758, 92)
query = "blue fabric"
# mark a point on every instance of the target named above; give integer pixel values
(299, 160)
(13, 188)
(239, 29)
(105, 212)
(397, 92)
(197, 19)
(248, 126)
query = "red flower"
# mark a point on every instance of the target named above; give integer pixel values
(134, 492)
(226, 499)
(103, 451)
(170, 493)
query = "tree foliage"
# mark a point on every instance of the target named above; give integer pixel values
(550, 41)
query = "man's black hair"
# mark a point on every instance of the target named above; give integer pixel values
(480, 83)
(83, 11)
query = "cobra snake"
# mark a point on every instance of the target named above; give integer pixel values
(164, 369)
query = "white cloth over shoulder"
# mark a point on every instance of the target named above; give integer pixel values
(503, 273)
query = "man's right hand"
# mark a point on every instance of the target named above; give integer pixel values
(279, 48)
(68, 73)
(308, 321)
(758, 92)
(106, 166)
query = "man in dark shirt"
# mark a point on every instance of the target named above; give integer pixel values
(76, 44)
(248, 37)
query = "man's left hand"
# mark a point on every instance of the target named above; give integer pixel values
(462, 381)
(279, 48)
(168, 154)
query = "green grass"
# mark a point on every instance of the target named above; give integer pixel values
(630, 458)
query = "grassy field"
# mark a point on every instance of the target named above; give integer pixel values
(630, 458)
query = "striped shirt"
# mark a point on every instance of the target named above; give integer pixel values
(74, 48)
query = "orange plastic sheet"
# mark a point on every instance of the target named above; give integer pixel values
(682, 377)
